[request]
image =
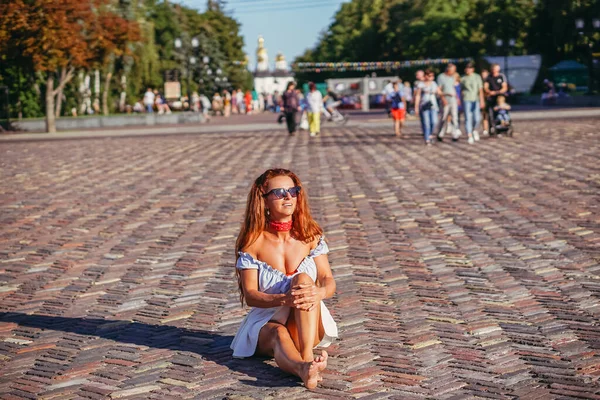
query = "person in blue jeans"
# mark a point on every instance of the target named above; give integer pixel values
(426, 104)
(472, 92)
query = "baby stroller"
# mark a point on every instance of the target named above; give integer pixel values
(500, 121)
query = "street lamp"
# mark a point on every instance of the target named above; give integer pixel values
(190, 60)
(580, 26)
(506, 46)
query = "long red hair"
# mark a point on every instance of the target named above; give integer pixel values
(304, 227)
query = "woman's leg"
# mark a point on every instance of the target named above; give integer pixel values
(433, 117)
(304, 325)
(469, 115)
(423, 118)
(274, 340)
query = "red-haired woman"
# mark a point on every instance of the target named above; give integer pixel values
(284, 274)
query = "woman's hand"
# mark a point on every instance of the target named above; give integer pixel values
(305, 296)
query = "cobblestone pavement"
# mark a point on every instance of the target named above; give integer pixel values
(462, 271)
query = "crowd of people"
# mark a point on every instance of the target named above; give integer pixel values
(439, 102)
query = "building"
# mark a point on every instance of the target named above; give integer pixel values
(268, 80)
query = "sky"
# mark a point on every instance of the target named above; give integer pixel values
(287, 27)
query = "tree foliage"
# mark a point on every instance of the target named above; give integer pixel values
(55, 39)
(372, 30)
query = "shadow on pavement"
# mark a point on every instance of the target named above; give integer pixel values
(211, 346)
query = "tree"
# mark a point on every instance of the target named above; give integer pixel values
(113, 37)
(57, 37)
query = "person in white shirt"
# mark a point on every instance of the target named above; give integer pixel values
(314, 106)
(387, 90)
(149, 100)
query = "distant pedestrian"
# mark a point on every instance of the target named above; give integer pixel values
(239, 100)
(277, 101)
(226, 103)
(291, 106)
(419, 77)
(426, 104)
(234, 103)
(314, 102)
(485, 117)
(387, 90)
(446, 82)
(472, 94)
(408, 96)
(397, 107)
(149, 100)
(495, 85)
(248, 101)
(217, 104)
(205, 102)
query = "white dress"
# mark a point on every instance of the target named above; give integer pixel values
(273, 281)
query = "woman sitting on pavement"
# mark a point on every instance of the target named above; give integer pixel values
(284, 275)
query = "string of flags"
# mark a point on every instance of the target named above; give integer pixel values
(371, 65)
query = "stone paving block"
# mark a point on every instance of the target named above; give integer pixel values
(463, 272)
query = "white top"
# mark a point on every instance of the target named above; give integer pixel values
(314, 100)
(148, 98)
(389, 88)
(273, 281)
(428, 94)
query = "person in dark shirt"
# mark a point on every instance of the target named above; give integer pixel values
(291, 105)
(494, 85)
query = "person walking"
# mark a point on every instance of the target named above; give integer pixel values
(408, 97)
(239, 100)
(387, 90)
(314, 102)
(291, 106)
(485, 118)
(446, 82)
(473, 101)
(494, 85)
(248, 102)
(426, 104)
(397, 107)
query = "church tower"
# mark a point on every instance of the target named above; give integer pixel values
(262, 59)
(280, 63)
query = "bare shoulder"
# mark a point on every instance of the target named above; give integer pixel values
(253, 248)
(315, 242)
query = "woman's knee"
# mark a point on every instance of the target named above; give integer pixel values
(302, 278)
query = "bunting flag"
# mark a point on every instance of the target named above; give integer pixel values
(371, 65)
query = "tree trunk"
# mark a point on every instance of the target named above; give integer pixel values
(105, 93)
(59, 92)
(50, 120)
(58, 103)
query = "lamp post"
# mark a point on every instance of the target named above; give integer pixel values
(580, 26)
(189, 54)
(506, 45)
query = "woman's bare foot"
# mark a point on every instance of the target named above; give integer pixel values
(321, 360)
(310, 375)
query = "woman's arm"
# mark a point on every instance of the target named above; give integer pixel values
(256, 298)
(417, 101)
(327, 286)
(307, 297)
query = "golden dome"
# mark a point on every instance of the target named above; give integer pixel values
(280, 57)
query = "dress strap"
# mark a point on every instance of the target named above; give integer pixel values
(321, 248)
(246, 261)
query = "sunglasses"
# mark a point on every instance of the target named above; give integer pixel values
(280, 193)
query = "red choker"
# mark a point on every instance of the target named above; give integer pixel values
(281, 226)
